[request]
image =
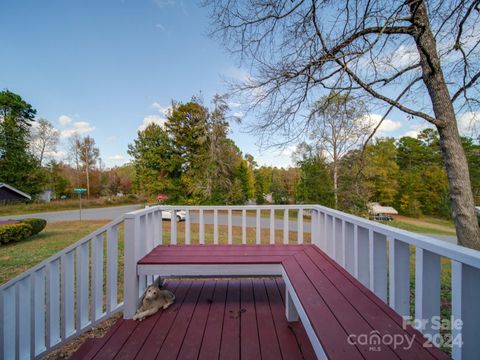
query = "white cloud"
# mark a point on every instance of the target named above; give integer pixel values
(387, 126)
(160, 26)
(57, 155)
(64, 120)
(164, 3)
(469, 123)
(79, 127)
(416, 129)
(160, 119)
(116, 157)
(164, 110)
(152, 119)
(405, 55)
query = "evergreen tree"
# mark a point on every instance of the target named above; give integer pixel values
(18, 167)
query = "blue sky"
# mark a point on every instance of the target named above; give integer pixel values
(104, 67)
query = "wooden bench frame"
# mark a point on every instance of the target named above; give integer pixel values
(167, 265)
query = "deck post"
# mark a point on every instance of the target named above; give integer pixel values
(290, 310)
(465, 311)
(130, 276)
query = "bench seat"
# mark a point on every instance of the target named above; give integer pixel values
(343, 318)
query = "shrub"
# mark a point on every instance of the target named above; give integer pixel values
(14, 232)
(36, 224)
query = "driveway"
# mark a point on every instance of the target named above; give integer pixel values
(108, 213)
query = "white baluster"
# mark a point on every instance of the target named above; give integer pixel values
(202, 228)
(188, 222)
(399, 256)
(329, 229)
(272, 226)
(53, 303)
(230, 237)
(349, 251)
(258, 238)
(173, 227)
(24, 317)
(9, 322)
(339, 241)
(314, 236)
(38, 318)
(112, 267)
(157, 227)
(68, 294)
(300, 226)
(131, 283)
(97, 277)
(215, 226)
(427, 289)
(363, 256)
(285, 226)
(378, 264)
(244, 226)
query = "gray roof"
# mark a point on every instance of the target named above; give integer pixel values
(15, 190)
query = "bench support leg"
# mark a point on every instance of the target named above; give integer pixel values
(290, 310)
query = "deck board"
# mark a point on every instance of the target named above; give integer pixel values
(206, 323)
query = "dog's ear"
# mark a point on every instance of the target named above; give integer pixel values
(159, 281)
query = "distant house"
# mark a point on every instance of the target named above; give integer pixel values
(375, 208)
(10, 194)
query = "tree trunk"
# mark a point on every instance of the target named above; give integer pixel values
(335, 183)
(88, 183)
(463, 206)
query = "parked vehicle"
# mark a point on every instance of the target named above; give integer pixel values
(167, 215)
(382, 217)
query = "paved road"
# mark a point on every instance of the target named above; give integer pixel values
(448, 238)
(108, 213)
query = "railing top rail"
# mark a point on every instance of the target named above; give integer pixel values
(218, 207)
(455, 252)
(59, 254)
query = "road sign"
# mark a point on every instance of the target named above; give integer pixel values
(79, 190)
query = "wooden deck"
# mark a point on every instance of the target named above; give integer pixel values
(211, 319)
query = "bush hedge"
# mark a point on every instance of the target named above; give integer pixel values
(15, 232)
(36, 224)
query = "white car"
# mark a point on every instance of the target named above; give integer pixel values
(167, 215)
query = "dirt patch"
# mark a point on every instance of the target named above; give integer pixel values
(67, 350)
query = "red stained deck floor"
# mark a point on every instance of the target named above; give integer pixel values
(211, 319)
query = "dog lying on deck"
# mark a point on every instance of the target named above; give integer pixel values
(153, 300)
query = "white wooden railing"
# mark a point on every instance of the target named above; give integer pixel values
(62, 297)
(379, 256)
(73, 290)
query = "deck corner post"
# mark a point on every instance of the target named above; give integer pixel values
(465, 311)
(130, 276)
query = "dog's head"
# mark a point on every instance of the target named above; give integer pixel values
(152, 292)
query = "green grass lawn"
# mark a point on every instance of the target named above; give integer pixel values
(418, 228)
(15, 258)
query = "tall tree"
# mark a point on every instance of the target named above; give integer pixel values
(415, 56)
(315, 185)
(74, 156)
(89, 154)
(339, 124)
(43, 139)
(152, 154)
(17, 167)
